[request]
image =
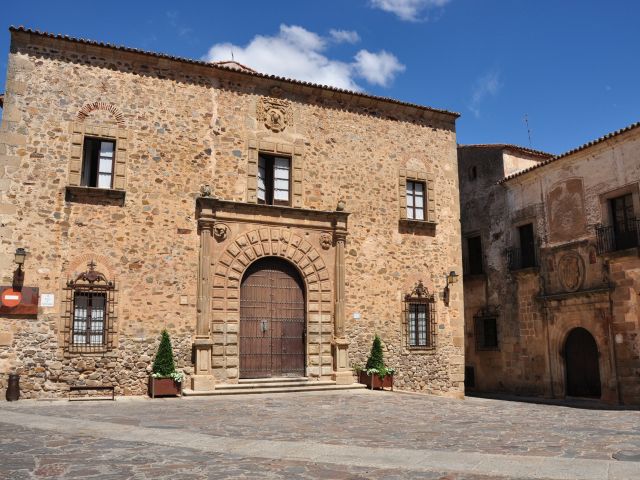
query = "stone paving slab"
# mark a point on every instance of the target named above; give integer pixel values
(325, 435)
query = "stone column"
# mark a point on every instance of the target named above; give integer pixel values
(203, 378)
(342, 374)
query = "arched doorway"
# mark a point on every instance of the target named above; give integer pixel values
(581, 358)
(272, 320)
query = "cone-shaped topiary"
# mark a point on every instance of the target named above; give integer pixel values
(376, 359)
(163, 365)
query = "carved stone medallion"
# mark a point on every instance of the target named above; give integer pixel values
(325, 240)
(571, 271)
(275, 113)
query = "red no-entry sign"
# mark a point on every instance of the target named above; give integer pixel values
(11, 298)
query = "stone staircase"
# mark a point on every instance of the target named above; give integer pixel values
(274, 385)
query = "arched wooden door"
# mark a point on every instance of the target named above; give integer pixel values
(272, 320)
(583, 370)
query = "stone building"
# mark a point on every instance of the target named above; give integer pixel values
(272, 226)
(552, 270)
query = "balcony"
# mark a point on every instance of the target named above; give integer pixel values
(621, 236)
(519, 259)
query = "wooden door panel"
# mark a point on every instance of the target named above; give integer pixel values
(272, 320)
(583, 372)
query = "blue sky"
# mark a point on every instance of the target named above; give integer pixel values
(571, 66)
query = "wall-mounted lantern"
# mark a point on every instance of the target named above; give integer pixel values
(19, 257)
(452, 277)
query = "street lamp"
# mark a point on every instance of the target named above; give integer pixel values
(19, 257)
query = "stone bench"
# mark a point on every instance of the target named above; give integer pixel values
(79, 388)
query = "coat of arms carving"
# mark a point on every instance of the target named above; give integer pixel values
(275, 113)
(571, 271)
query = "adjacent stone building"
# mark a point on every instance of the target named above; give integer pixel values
(552, 269)
(271, 226)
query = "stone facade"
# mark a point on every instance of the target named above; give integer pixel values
(580, 278)
(180, 224)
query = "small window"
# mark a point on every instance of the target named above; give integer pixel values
(415, 200)
(98, 161)
(420, 317)
(474, 256)
(473, 173)
(624, 223)
(486, 333)
(527, 246)
(274, 180)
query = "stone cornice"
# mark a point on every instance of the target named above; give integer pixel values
(390, 106)
(211, 210)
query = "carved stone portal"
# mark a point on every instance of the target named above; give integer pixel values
(275, 113)
(571, 271)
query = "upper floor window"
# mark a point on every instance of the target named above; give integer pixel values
(97, 163)
(474, 264)
(415, 200)
(527, 246)
(274, 180)
(623, 221)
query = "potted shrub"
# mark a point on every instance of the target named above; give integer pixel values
(164, 379)
(376, 374)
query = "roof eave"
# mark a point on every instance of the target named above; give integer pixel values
(334, 90)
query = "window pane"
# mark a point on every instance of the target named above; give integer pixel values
(106, 149)
(418, 187)
(281, 185)
(261, 190)
(104, 180)
(419, 201)
(106, 165)
(412, 325)
(409, 200)
(281, 168)
(419, 214)
(281, 195)
(80, 310)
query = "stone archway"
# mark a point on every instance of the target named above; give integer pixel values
(582, 364)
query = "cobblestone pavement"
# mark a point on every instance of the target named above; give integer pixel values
(334, 435)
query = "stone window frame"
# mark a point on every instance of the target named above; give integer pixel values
(479, 333)
(605, 210)
(293, 151)
(430, 203)
(79, 132)
(420, 295)
(88, 282)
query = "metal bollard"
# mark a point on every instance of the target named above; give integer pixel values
(13, 389)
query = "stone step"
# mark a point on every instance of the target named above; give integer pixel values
(274, 383)
(273, 379)
(309, 387)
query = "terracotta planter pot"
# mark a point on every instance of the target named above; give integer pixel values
(159, 387)
(374, 381)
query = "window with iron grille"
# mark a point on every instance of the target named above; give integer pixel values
(415, 200)
(420, 318)
(486, 333)
(90, 312)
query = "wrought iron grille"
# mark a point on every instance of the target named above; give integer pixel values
(624, 235)
(89, 316)
(519, 259)
(420, 318)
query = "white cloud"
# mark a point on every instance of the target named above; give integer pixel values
(344, 36)
(295, 52)
(408, 9)
(378, 68)
(488, 85)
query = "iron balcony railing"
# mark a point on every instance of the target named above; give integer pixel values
(519, 259)
(621, 236)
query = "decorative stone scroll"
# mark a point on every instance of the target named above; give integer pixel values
(275, 113)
